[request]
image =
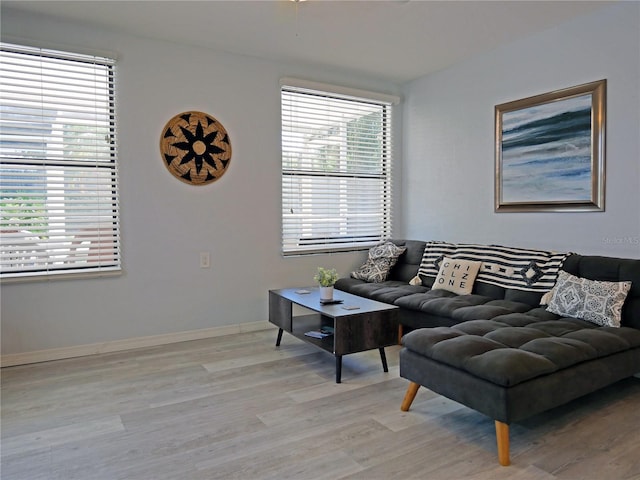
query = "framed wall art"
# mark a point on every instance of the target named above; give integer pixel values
(550, 151)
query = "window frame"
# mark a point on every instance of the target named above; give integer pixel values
(351, 171)
(81, 229)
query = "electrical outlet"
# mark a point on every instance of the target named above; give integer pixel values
(205, 260)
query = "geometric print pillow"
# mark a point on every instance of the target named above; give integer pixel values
(379, 262)
(386, 250)
(595, 301)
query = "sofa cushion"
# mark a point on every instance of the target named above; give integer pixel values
(407, 266)
(460, 308)
(388, 291)
(389, 294)
(374, 270)
(380, 260)
(489, 309)
(519, 347)
(611, 269)
(442, 303)
(457, 276)
(592, 300)
(386, 250)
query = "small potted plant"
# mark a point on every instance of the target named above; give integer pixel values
(326, 278)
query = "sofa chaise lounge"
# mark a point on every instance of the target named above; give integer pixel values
(498, 350)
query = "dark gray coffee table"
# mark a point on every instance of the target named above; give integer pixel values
(359, 324)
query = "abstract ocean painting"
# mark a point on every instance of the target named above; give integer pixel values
(546, 152)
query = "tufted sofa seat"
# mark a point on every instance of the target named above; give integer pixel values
(460, 308)
(515, 348)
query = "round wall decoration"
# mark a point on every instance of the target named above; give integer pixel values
(195, 147)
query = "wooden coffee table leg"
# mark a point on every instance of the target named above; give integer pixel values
(338, 368)
(383, 357)
(279, 339)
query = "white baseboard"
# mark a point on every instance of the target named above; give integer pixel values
(37, 356)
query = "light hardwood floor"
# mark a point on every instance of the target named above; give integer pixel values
(237, 407)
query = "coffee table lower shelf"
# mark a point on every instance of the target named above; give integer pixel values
(311, 322)
(372, 325)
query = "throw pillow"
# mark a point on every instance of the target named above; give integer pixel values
(591, 300)
(380, 260)
(456, 276)
(386, 250)
(546, 298)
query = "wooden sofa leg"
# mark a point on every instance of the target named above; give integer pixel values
(400, 334)
(502, 437)
(409, 396)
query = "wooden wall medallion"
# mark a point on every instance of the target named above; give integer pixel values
(195, 147)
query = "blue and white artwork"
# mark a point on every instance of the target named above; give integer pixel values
(546, 152)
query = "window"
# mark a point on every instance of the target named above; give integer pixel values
(336, 171)
(58, 170)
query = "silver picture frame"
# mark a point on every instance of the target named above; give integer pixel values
(550, 151)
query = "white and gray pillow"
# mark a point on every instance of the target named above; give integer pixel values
(595, 301)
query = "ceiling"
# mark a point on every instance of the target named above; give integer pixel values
(394, 41)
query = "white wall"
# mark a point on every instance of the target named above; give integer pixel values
(165, 222)
(448, 166)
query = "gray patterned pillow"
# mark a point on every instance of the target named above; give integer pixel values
(386, 250)
(595, 301)
(378, 265)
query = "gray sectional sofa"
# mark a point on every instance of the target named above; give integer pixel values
(498, 350)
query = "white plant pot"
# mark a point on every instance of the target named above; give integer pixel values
(326, 293)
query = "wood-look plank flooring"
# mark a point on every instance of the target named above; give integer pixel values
(237, 407)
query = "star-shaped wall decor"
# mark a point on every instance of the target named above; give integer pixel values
(195, 147)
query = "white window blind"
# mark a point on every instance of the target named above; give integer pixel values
(336, 171)
(58, 169)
